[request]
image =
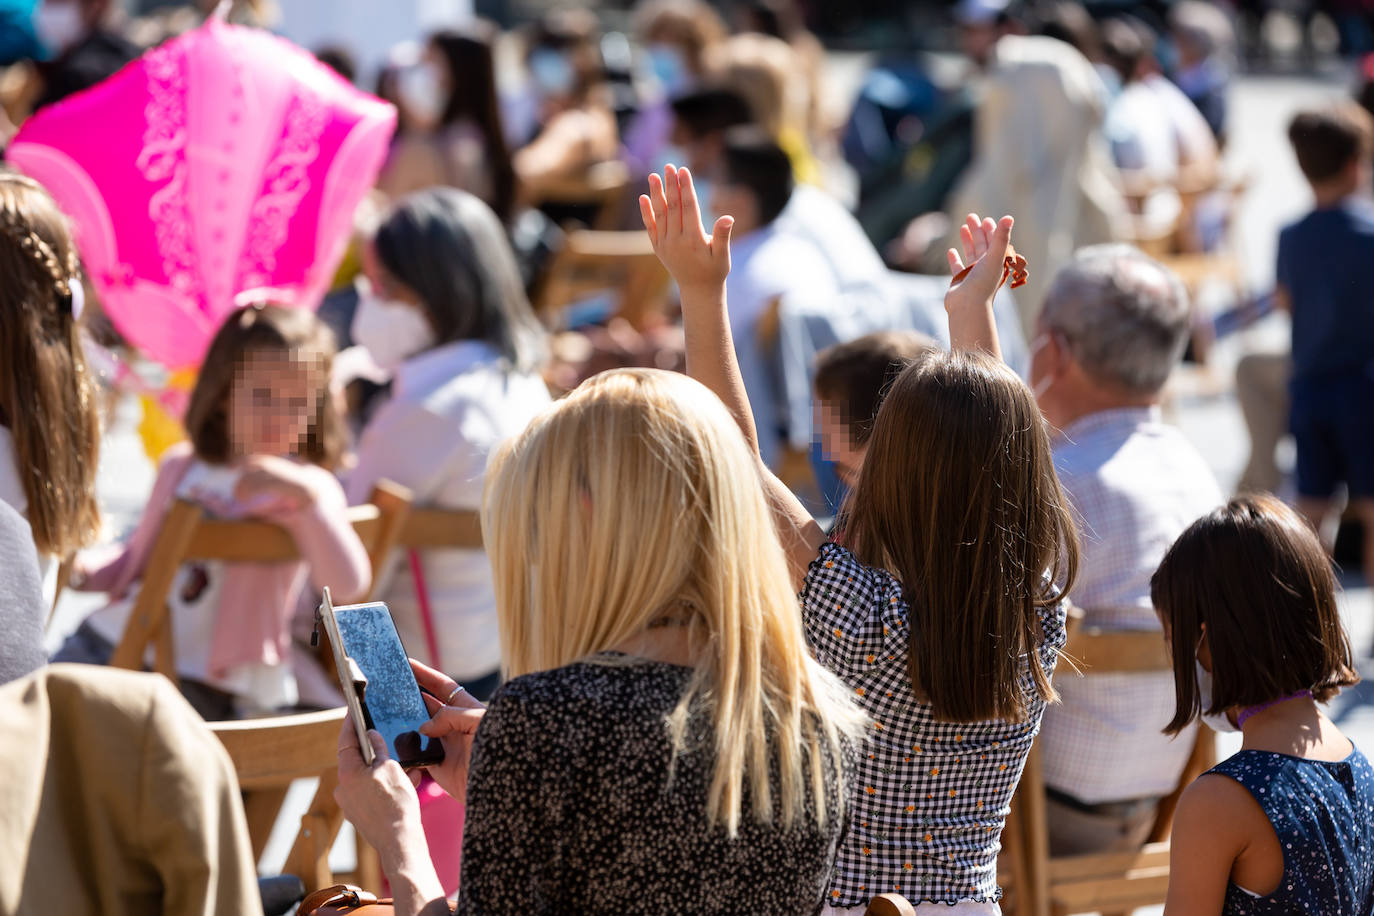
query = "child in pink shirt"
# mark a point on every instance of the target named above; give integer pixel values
(264, 433)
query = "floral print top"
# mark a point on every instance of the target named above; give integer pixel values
(574, 805)
(930, 798)
(1323, 814)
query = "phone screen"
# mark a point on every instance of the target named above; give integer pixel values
(392, 702)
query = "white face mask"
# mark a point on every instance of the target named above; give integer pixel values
(58, 25)
(421, 93)
(391, 331)
(1217, 722)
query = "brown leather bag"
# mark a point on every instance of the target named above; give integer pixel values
(345, 898)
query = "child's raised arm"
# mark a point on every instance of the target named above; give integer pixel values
(969, 300)
(700, 263)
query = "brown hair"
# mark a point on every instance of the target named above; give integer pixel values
(47, 399)
(1327, 140)
(1255, 575)
(958, 498)
(855, 375)
(254, 329)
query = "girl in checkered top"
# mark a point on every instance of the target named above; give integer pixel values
(938, 603)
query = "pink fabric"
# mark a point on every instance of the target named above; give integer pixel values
(219, 169)
(252, 622)
(441, 818)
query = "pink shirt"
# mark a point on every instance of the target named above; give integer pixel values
(257, 600)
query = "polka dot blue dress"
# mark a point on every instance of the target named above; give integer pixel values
(1323, 815)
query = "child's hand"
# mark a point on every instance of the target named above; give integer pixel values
(271, 486)
(672, 218)
(985, 249)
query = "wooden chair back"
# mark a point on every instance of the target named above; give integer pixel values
(429, 528)
(268, 755)
(1101, 882)
(187, 536)
(603, 187)
(594, 261)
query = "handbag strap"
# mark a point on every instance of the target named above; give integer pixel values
(338, 895)
(417, 576)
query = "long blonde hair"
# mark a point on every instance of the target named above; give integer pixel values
(637, 491)
(47, 399)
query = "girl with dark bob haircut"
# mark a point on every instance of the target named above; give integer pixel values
(1248, 602)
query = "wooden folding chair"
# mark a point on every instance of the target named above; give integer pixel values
(1114, 882)
(268, 755)
(188, 536)
(594, 261)
(602, 187)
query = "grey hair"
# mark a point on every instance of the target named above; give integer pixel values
(1124, 316)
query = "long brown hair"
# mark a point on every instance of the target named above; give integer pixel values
(254, 329)
(958, 498)
(47, 399)
(1256, 576)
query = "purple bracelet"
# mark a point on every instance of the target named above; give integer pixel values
(1249, 711)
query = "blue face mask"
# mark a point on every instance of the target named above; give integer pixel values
(669, 68)
(551, 72)
(704, 188)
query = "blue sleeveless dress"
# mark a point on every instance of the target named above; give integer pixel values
(1323, 815)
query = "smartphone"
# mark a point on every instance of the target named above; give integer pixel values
(378, 685)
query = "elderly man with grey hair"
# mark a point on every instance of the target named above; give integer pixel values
(1113, 325)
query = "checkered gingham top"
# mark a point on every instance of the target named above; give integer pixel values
(930, 797)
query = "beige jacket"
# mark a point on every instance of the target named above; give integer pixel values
(116, 799)
(1041, 157)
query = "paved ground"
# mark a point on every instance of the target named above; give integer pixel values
(1262, 107)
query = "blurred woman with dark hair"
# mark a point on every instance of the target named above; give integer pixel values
(443, 312)
(457, 138)
(577, 128)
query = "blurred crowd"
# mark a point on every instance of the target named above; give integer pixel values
(949, 443)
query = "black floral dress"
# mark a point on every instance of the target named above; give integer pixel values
(574, 806)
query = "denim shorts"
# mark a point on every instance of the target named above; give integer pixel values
(1332, 421)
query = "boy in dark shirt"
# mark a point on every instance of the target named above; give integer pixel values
(1325, 281)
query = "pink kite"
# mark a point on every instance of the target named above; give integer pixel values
(217, 170)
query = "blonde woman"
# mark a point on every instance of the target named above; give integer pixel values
(665, 742)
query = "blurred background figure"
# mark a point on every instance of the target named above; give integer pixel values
(443, 313)
(1204, 41)
(453, 133)
(1040, 149)
(82, 44)
(575, 128)
(766, 72)
(675, 36)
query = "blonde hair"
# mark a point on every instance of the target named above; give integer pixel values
(46, 396)
(637, 491)
(764, 71)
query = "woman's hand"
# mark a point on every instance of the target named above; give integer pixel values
(672, 217)
(453, 721)
(381, 804)
(378, 800)
(969, 300)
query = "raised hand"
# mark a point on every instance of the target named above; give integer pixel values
(672, 217)
(978, 275)
(985, 245)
